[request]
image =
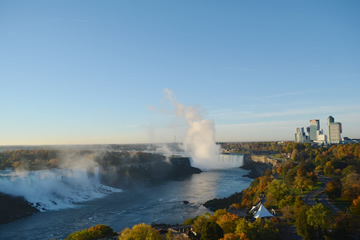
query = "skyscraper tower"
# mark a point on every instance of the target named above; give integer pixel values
(314, 126)
(334, 130)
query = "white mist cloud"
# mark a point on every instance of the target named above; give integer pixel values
(199, 142)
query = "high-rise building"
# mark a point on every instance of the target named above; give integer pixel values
(314, 126)
(300, 136)
(320, 137)
(334, 130)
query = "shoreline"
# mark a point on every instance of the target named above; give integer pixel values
(257, 166)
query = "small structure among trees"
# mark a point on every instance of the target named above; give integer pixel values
(262, 212)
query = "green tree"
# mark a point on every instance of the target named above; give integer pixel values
(355, 206)
(140, 232)
(333, 189)
(278, 189)
(290, 176)
(342, 226)
(259, 230)
(200, 222)
(295, 155)
(287, 213)
(97, 232)
(351, 179)
(102, 231)
(299, 202)
(211, 231)
(301, 182)
(288, 200)
(348, 170)
(218, 213)
(242, 226)
(235, 236)
(189, 221)
(80, 235)
(329, 171)
(317, 217)
(303, 228)
(228, 222)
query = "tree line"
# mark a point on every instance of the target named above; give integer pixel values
(253, 147)
(45, 159)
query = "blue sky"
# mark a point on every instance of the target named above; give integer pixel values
(80, 72)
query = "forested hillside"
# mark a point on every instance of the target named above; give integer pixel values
(287, 190)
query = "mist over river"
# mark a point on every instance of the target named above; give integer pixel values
(162, 203)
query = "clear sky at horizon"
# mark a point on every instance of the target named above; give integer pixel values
(92, 72)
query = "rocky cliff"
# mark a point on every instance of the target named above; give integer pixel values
(147, 173)
(13, 208)
(257, 164)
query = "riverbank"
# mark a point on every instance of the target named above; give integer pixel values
(257, 166)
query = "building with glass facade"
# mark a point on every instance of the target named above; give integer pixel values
(334, 130)
(314, 127)
(300, 136)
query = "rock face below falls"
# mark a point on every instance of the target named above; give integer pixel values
(257, 164)
(13, 208)
(147, 173)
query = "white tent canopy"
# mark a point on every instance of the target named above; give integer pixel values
(262, 212)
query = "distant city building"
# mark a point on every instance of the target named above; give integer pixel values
(334, 130)
(314, 127)
(300, 136)
(321, 138)
(349, 140)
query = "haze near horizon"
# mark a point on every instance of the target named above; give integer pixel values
(90, 72)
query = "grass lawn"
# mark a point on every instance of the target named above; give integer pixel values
(342, 204)
(278, 156)
(298, 192)
(319, 184)
(306, 191)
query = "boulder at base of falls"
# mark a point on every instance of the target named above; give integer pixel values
(13, 208)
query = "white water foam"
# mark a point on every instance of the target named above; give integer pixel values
(231, 160)
(54, 189)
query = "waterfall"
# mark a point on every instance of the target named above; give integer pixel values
(54, 189)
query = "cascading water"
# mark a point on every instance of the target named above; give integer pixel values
(54, 189)
(231, 160)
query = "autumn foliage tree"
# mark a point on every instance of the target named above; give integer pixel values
(211, 231)
(260, 229)
(140, 232)
(355, 206)
(200, 222)
(97, 232)
(277, 189)
(235, 236)
(228, 222)
(317, 217)
(333, 189)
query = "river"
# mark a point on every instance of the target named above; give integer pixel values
(162, 203)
